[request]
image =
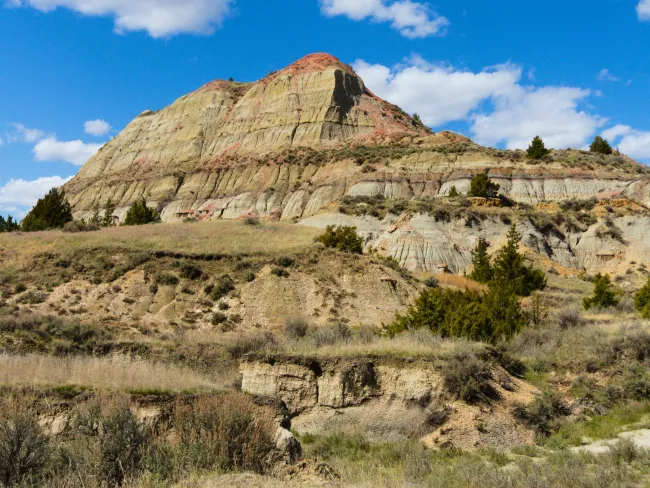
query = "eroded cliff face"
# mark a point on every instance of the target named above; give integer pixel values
(388, 399)
(295, 144)
(292, 143)
(421, 242)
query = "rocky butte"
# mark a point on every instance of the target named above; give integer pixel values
(311, 144)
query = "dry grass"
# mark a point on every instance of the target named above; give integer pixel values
(419, 343)
(114, 373)
(218, 237)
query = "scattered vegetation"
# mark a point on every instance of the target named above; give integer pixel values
(9, 224)
(342, 238)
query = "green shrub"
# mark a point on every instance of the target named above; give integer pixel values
(167, 279)
(482, 186)
(222, 287)
(642, 300)
(140, 214)
(286, 261)
(342, 238)
(453, 192)
(431, 282)
(77, 226)
(24, 449)
(219, 318)
(227, 433)
(296, 328)
(537, 149)
(191, 271)
(543, 412)
(470, 314)
(280, 272)
(123, 443)
(604, 295)
(600, 146)
(469, 379)
(50, 212)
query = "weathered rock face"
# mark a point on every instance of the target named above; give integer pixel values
(292, 143)
(388, 399)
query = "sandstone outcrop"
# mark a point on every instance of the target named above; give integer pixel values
(388, 399)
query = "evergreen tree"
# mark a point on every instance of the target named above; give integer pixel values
(537, 149)
(453, 192)
(140, 214)
(50, 212)
(642, 300)
(107, 220)
(509, 268)
(8, 225)
(482, 270)
(600, 146)
(482, 186)
(604, 294)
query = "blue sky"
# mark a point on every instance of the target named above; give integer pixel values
(77, 71)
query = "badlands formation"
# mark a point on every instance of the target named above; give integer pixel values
(296, 144)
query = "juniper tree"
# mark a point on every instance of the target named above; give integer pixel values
(482, 270)
(483, 186)
(50, 212)
(141, 214)
(600, 146)
(537, 149)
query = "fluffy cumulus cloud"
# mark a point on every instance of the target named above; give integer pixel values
(634, 143)
(439, 94)
(74, 152)
(17, 196)
(159, 18)
(411, 19)
(551, 112)
(97, 127)
(493, 101)
(643, 9)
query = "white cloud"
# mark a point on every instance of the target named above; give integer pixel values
(606, 75)
(635, 143)
(97, 127)
(75, 152)
(411, 19)
(159, 18)
(643, 9)
(499, 108)
(20, 195)
(551, 112)
(439, 94)
(23, 134)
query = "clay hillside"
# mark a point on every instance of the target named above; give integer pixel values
(312, 144)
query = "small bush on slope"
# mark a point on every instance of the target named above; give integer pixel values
(342, 238)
